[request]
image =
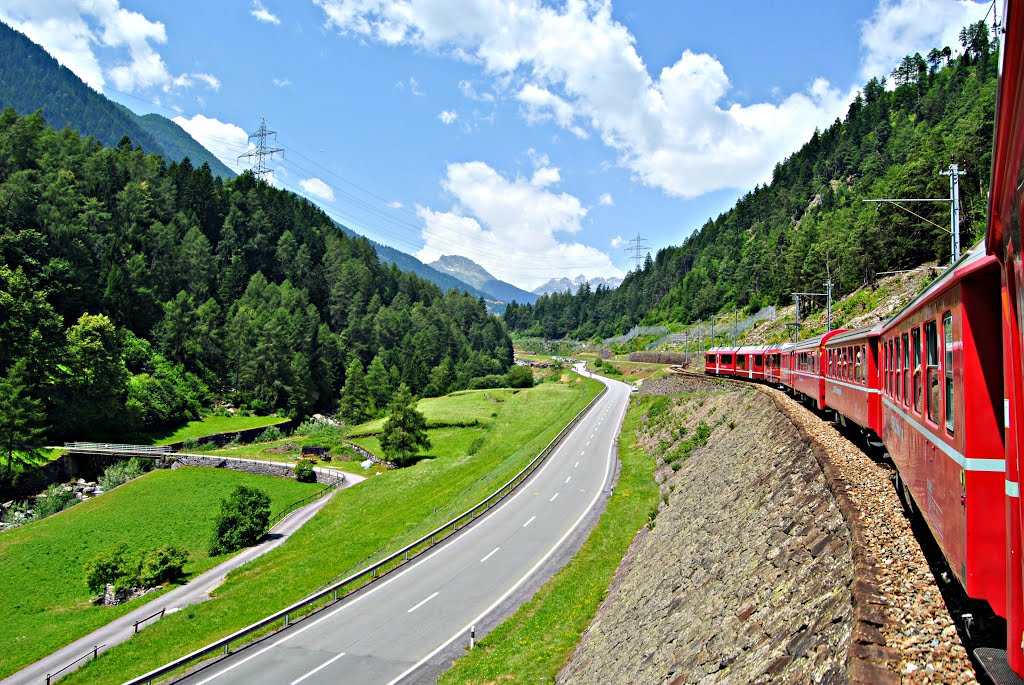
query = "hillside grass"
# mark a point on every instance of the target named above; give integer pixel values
(461, 408)
(211, 425)
(535, 643)
(359, 525)
(43, 594)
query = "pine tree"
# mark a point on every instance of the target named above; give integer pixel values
(405, 431)
(354, 403)
(378, 385)
(20, 416)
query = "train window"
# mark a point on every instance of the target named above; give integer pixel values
(857, 364)
(906, 369)
(915, 338)
(864, 365)
(931, 340)
(741, 361)
(758, 360)
(947, 342)
(727, 359)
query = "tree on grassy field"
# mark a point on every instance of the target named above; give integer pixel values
(242, 520)
(21, 417)
(354, 403)
(405, 431)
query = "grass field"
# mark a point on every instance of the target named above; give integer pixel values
(43, 595)
(212, 425)
(460, 408)
(534, 643)
(357, 526)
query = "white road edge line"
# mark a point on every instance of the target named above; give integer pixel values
(422, 603)
(553, 497)
(567, 479)
(497, 602)
(384, 584)
(490, 554)
(577, 465)
(317, 669)
(529, 522)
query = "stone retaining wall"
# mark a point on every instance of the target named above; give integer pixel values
(254, 467)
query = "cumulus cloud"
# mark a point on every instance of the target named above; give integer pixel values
(902, 27)
(511, 227)
(468, 90)
(224, 139)
(317, 188)
(263, 14)
(281, 82)
(448, 116)
(606, 200)
(71, 30)
(395, 204)
(618, 241)
(574, 65)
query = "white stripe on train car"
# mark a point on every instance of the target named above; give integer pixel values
(854, 386)
(1012, 489)
(990, 465)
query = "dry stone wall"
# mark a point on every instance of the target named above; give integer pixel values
(745, 576)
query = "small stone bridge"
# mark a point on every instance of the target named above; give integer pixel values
(114, 450)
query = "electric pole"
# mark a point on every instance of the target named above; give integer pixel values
(828, 306)
(954, 174)
(636, 251)
(260, 154)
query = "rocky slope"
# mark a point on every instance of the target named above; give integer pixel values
(745, 575)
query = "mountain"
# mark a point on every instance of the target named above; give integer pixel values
(564, 285)
(810, 224)
(468, 271)
(30, 80)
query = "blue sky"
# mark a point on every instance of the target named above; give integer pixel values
(535, 138)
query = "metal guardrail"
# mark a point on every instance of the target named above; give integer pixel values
(94, 652)
(379, 569)
(135, 626)
(106, 447)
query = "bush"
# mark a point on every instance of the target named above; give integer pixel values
(475, 446)
(519, 377)
(190, 444)
(487, 382)
(304, 472)
(242, 520)
(56, 499)
(271, 434)
(113, 566)
(320, 431)
(162, 565)
(122, 472)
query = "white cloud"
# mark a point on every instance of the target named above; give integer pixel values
(263, 14)
(574, 64)
(188, 80)
(281, 82)
(618, 241)
(395, 204)
(511, 226)
(72, 31)
(902, 27)
(606, 200)
(469, 91)
(317, 188)
(225, 140)
(412, 84)
(448, 116)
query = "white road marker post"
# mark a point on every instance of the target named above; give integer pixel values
(472, 637)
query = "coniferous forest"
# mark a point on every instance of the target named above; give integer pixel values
(810, 222)
(133, 293)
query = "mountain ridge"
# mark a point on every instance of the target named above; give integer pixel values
(563, 284)
(471, 273)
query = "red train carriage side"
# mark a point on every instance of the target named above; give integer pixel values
(852, 378)
(1003, 240)
(720, 361)
(942, 356)
(805, 358)
(750, 362)
(776, 364)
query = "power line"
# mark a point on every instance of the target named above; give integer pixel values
(261, 153)
(636, 251)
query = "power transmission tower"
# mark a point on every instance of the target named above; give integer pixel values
(261, 153)
(636, 250)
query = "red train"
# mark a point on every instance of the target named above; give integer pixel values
(941, 383)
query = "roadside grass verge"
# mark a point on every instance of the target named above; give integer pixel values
(210, 425)
(359, 524)
(533, 644)
(43, 594)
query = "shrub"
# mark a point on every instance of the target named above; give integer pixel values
(121, 472)
(56, 499)
(271, 434)
(304, 472)
(242, 520)
(519, 377)
(162, 565)
(190, 444)
(475, 446)
(113, 566)
(487, 382)
(320, 431)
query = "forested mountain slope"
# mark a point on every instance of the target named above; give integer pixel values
(30, 80)
(132, 292)
(810, 221)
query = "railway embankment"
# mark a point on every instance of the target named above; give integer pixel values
(780, 554)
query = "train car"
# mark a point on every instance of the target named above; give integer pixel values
(942, 356)
(776, 365)
(852, 379)
(808, 380)
(720, 361)
(1003, 241)
(750, 362)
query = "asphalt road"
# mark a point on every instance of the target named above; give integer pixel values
(388, 632)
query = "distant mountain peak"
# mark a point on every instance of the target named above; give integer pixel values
(471, 273)
(563, 284)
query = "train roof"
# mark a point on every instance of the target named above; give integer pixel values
(818, 340)
(971, 261)
(872, 331)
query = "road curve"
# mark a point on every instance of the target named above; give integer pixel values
(388, 632)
